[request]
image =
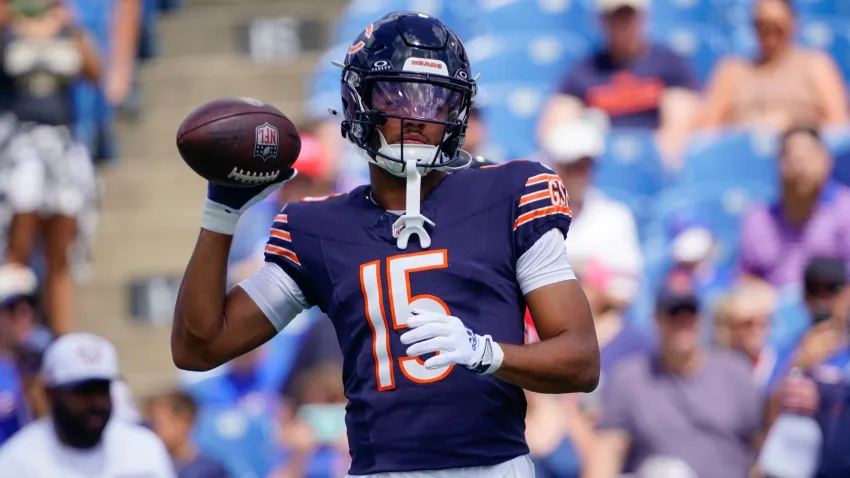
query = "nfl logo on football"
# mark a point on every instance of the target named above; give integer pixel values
(266, 142)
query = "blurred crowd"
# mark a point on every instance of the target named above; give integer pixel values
(705, 146)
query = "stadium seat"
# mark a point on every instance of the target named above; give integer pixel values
(823, 7)
(717, 206)
(711, 12)
(525, 56)
(510, 111)
(701, 44)
(831, 35)
(243, 444)
(501, 16)
(459, 15)
(730, 157)
(839, 144)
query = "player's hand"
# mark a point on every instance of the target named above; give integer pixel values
(225, 204)
(453, 342)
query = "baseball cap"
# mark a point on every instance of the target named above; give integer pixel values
(568, 142)
(79, 357)
(16, 282)
(826, 270)
(608, 6)
(677, 292)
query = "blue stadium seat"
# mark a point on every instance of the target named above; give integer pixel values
(731, 157)
(243, 444)
(631, 163)
(831, 35)
(823, 7)
(525, 56)
(838, 142)
(715, 205)
(701, 44)
(510, 111)
(502, 16)
(459, 15)
(712, 12)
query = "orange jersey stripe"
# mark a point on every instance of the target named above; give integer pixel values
(531, 197)
(530, 216)
(542, 178)
(280, 251)
(281, 235)
(281, 218)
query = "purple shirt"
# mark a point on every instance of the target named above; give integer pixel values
(777, 252)
(629, 93)
(708, 420)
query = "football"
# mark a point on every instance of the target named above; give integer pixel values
(238, 142)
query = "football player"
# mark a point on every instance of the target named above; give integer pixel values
(425, 273)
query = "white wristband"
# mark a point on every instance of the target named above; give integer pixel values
(498, 358)
(217, 218)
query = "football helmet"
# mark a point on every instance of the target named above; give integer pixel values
(408, 67)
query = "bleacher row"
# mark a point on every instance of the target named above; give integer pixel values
(541, 39)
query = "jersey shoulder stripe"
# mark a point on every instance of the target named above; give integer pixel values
(543, 195)
(280, 240)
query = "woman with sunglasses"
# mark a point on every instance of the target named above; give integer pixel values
(782, 85)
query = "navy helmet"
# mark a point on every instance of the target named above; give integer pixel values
(407, 66)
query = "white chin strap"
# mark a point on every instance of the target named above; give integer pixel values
(412, 222)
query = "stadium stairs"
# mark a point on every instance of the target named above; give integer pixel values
(152, 200)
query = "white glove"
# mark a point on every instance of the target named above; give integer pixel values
(436, 332)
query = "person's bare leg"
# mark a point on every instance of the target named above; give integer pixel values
(59, 235)
(22, 235)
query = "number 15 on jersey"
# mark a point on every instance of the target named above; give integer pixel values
(398, 270)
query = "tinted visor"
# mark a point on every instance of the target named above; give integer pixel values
(415, 100)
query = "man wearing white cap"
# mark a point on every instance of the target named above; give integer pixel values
(636, 83)
(78, 439)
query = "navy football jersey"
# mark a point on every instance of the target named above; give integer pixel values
(342, 253)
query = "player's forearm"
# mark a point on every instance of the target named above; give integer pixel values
(199, 312)
(563, 364)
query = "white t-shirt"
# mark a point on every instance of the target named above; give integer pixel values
(280, 298)
(126, 451)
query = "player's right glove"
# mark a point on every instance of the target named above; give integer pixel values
(226, 204)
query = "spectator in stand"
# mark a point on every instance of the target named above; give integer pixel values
(248, 382)
(558, 433)
(818, 350)
(79, 438)
(172, 417)
(638, 84)
(312, 429)
(700, 406)
(749, 310)
(23, 339)
(599, 223)
(50, 177)
(784, 85)
(811, 217)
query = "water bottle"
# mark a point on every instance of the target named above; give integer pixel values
(793, 445)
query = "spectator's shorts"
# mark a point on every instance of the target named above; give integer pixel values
(45, 170)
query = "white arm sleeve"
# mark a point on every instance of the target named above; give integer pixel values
(545, 263)
(276, 294)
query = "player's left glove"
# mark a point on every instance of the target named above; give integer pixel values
(435, 332)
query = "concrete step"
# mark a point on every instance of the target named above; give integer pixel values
(222, 27)
(187, 82)
(154, 135)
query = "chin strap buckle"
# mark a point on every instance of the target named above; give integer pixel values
(412, 222)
